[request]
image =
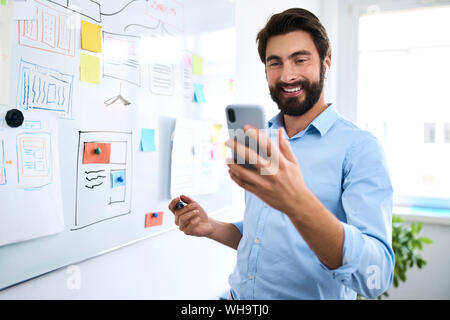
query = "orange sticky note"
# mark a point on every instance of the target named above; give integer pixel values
(153, 219)
(91, 38)
(95, 152)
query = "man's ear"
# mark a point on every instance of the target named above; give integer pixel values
(327, 62)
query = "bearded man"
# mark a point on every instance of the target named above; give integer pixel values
(318, 224)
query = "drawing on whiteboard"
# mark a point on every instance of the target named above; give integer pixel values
(34, 156)
(161, 78)
(44, 88)
(51, 31)
(32, 125)
(2, 164)
(192, 171)
(168, 13)
(87, 8)
(118, 185)
(160, 29)
(104, 167)
(31, 199)
(121, 57)
(188, 83)
(94, 178)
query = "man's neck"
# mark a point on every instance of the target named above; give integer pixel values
(295, 124)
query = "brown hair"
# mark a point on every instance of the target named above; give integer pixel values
(292, 20)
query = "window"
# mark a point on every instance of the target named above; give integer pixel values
(404, 99)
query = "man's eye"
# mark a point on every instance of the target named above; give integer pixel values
(300, 61)
(274, 64)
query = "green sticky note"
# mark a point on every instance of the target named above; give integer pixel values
(148, 140)
(197, 65)
(89, 68)
(3, 2)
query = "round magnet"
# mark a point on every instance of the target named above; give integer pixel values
(14, 118)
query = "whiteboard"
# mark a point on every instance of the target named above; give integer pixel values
(103, 185)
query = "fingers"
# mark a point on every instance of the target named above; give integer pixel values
(247, 178)
(285, 148)
(264, 142)
(184, 219)
(186, 199)
(173, 203)
(248, 154)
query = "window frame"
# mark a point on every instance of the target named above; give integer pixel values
(348, 65)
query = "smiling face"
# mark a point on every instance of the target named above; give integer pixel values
(294, 71)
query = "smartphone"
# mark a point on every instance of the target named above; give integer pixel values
(239, 115)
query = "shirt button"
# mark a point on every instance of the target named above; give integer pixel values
(251, 277)
(256, 240)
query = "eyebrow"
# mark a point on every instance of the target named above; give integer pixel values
(291, 56)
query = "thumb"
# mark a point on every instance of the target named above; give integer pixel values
(284, 146)
(186, 199)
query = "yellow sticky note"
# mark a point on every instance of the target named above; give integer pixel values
(197, 65)
(91, 38)
(89, 68)
(215, 132)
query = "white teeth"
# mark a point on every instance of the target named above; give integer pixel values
(292, 90)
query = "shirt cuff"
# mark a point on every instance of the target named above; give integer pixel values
(240, 226)
(351, 253)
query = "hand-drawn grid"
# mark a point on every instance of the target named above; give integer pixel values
(51, 31)
(34, 163)
(44, 88)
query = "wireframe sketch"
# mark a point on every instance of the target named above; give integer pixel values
(34, 156)
(44, 88)
(51, 30)
(121, 57)
(103, 177)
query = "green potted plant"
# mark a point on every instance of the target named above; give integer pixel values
(407, 245)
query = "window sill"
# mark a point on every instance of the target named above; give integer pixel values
(426, 215)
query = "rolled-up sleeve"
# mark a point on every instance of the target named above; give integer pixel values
(239, 225)
(368, 259)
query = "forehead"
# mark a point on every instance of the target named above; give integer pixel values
(285, 44)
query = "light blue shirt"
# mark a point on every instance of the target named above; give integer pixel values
(345, 168)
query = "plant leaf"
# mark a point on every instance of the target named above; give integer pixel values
(426, 240)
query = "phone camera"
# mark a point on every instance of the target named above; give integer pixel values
(231, 115)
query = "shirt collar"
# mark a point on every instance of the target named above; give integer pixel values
(323, 122)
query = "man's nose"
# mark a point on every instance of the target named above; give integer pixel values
(288, 74)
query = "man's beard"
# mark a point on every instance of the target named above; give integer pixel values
(292, 106)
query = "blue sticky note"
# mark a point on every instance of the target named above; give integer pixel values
(118, 178)
(148, 140)
(199, 95)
